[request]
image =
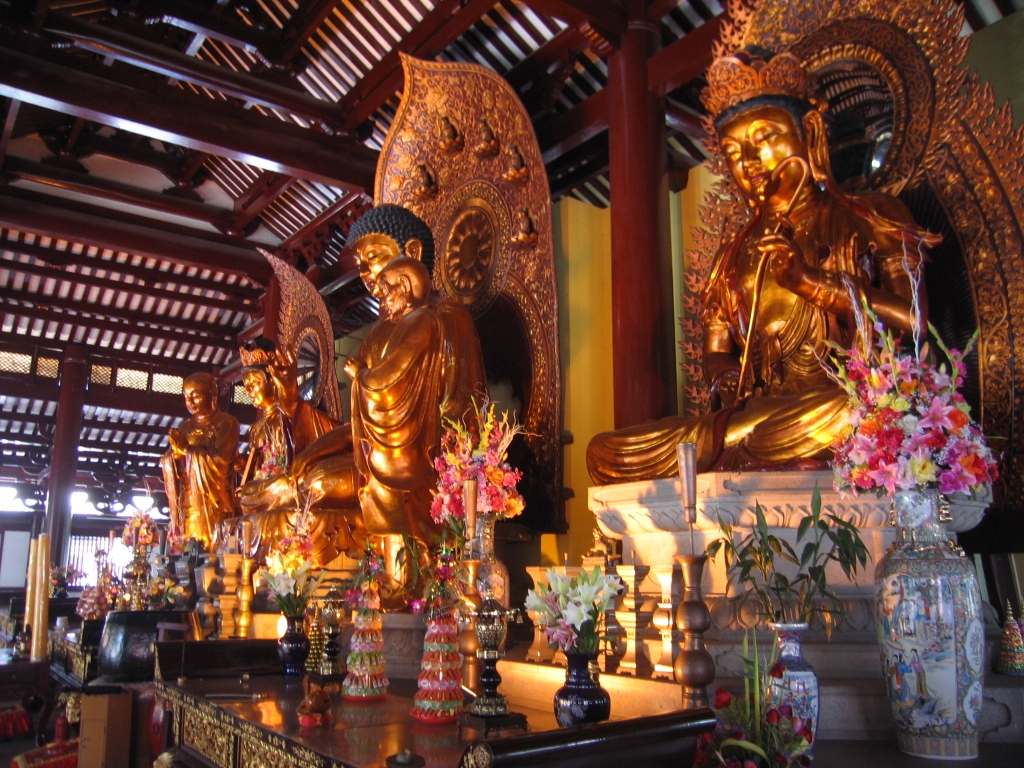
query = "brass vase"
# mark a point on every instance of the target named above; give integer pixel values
(694, 667)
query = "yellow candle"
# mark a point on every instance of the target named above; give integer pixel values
(40, 630)
(30, 584)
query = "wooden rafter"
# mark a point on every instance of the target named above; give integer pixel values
(170, 115)
(439, 28)
(53, 217)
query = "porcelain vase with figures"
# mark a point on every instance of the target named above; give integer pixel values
(791, 681)
(493, 575)
(930, 633)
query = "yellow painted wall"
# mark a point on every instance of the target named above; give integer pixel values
(582, 236)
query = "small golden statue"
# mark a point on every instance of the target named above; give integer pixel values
(420, 363)
(425, 183)
(517, 171)
(198, 467)
(488, 144)
(298, 456)
(525, 232)
(451, 139)
(779, 292)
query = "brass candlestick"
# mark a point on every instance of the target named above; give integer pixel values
(469, 644)
(694, 667)
(243, 622)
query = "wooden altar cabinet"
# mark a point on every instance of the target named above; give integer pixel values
(219, 733)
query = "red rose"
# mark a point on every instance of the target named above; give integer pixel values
(804, 760)
(780, 759)
(722, 698)
(806, 733)
(772, 717)
(777, 670)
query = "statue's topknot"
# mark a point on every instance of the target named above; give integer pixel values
(398, 223)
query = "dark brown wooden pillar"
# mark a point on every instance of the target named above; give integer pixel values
(74, 377)
(641, 273)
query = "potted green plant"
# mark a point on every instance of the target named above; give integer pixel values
(789, 602)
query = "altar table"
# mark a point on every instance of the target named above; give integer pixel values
(265, 732)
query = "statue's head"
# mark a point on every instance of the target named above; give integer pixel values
(256, 356)
(387, 232)
(405, 285)
(765, 112)
(200, 391)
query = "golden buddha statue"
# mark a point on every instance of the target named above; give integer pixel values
(198, 467)
(419, 364)
(789, 283)
(295, 451)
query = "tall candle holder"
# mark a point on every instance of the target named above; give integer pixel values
(469, 643)
(664, 620)
(694, 666)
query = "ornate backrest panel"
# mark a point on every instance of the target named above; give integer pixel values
(906, 119)
(462, 155)
(303, 327)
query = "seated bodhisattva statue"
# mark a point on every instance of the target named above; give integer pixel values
(284, 449)
(198, 467)
(781, 290)
(420, 364)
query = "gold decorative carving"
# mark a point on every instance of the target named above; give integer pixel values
(469, 252)
(947, 133)
(208, 737)
(304, 315)
(451, 139)
(495, 182)
(258, 754)
(477, 755)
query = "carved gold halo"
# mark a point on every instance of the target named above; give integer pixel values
(469, 254)
(474, 259)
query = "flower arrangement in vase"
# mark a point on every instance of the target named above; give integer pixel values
(910, 428)
(293, 574)
(140, 531)
(477, 451)
(755, 731)
(911, 436)
(789, 602)
(572, 609)
(61, 577)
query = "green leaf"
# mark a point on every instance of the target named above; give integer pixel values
(748, 746)
(762, 523)
(816, 500)
(803, 528)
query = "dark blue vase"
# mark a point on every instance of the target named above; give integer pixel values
(293, 647)
(581, 700)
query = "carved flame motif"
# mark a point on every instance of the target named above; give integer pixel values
(470, 249)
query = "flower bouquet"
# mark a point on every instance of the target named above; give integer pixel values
(292, 571)
(139, 531)
(910, 428)
(61, 578)
(572, 608)
(752, 732)
(478, 452)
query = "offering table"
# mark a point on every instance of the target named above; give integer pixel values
(263, 729)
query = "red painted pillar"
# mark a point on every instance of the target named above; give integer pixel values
(74, 377)
(644, 361)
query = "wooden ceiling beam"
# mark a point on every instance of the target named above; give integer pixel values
(192, 18)
(116, 286)
(439, 28)
(61, 178)
(305, 21)
(98, 355)
(170, 115)
(93, 423)
(148, 276)
(609, 15)
(89, 144)
(686, 58)
(114, 44)
(10, 117)
(56, 218)
(138, 321)
(264, 191)
(560, 133)
(153, 403)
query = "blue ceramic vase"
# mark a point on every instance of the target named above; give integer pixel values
(792, 682)
(581, 700)
(930, 634)
(293, 647)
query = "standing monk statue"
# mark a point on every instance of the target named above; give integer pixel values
(419, 365)
(198, 467)
(789, 283)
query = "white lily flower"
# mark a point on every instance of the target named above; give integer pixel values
(576, 614)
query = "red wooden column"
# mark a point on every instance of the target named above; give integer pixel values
(74, 377)
(641, 273)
